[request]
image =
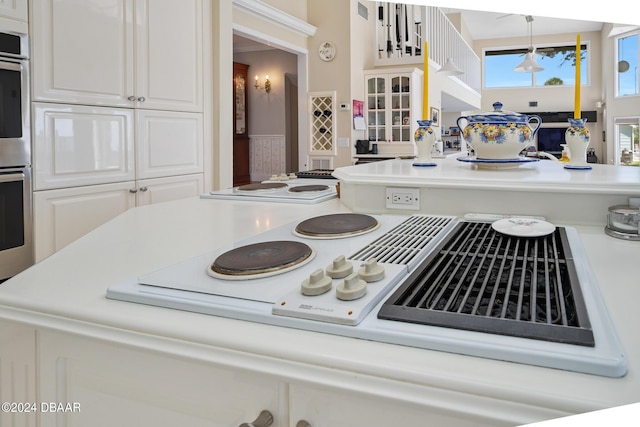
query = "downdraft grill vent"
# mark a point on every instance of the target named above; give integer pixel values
(402, 244)
(481, 280)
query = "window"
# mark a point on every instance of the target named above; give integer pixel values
(627, 65)
(558, 62)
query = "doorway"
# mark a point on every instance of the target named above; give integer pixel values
(265, 54)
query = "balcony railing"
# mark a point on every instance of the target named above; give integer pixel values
(401, 30)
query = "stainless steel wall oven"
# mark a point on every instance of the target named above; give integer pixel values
(16, 237)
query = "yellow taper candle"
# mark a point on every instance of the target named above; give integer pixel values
(576, 102)
(425, 84)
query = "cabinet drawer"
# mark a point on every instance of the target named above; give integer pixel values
(117, 385)
(80, 145)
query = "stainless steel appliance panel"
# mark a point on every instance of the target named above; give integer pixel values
(15, 122)
(16, 233)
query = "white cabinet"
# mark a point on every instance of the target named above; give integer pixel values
(168, 143)
(118, 385)
(124, 53)
(78, 145)
(17, 374)
(14, 9)
(118, 104)
(63, 215)
(324, 407)
(158, 190)
(393, 104)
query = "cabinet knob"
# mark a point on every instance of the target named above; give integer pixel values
(131, 98)
(143, 189)
(265, 419)
(303, 423)
(133, 190)
(142, 99)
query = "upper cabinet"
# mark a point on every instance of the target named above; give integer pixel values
(14, 9)
(123, 53)
(393, 104)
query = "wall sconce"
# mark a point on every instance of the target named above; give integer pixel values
(267, 84)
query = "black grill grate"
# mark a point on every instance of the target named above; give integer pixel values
(481, 280)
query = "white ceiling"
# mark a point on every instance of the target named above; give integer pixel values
(490, 25)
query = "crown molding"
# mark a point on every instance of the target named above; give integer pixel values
(275, 16)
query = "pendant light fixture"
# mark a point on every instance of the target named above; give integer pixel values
(529, 64)
(450, 69)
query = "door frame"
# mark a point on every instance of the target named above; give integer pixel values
(303, 83)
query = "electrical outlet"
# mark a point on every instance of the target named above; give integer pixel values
(403, 198)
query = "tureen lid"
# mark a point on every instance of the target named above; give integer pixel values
(497, 115)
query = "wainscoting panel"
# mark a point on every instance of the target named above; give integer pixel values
(267, 156)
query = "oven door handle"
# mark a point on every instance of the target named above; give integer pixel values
(11, 177)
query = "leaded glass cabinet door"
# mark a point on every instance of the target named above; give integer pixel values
(376, 108)
(401, 109)
(392, 106)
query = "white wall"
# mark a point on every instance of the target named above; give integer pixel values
(267, 111)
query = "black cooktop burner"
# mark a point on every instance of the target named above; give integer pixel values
(337, 225)
(262, 186)
(308, 188)
(481, 280)
(261, 259)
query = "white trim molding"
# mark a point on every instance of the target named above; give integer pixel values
(275, 16)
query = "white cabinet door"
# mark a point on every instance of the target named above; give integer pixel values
(121, 53)
(62, 216)
(329, 408)
(118, 385)
(14, 9)
(18, 375)
(393, 105)
(168, 143)
(158, 190)
(83, 51)
(78, 145)
(169, 55)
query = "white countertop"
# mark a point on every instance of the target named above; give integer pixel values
(543, 188)
(69, 287)
(544, 175)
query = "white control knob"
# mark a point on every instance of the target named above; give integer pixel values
(352, 288)
(316, 284)
(371, 271)
(292, 175)
(283, 177)
(339, 268)
(273, 178)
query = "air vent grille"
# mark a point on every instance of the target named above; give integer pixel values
(404, 243)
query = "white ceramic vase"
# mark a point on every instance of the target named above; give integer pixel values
(577, 138)
(424, 138)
